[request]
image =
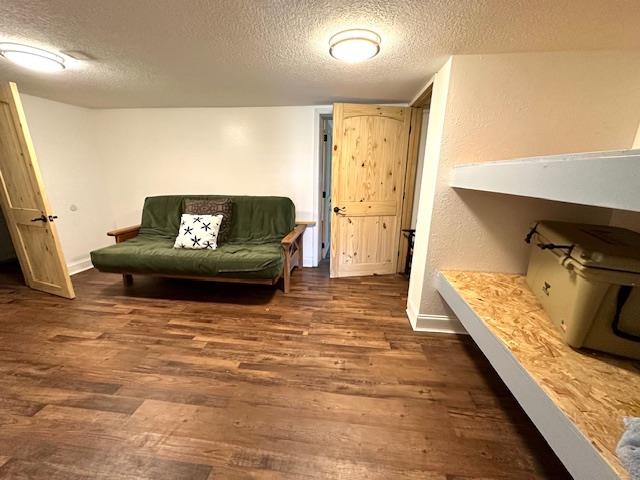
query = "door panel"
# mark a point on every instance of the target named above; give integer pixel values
(365, 245)
(19, 188)
(366, 209)
(24, 202)
(369, 162)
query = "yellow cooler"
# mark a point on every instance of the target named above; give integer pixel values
(587, 278)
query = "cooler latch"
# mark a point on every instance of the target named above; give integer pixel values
(531, 233)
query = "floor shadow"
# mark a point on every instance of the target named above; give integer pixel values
(623, 363)
(193, 290)
(11, 274)
(547, 461)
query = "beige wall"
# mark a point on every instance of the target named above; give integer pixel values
(521, 105)
(508, 106)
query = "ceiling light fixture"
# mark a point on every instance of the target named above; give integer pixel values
(32, 58)
(354, 46)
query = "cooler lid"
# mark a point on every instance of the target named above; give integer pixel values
(597, 246)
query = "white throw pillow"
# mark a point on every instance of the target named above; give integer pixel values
(198, 232)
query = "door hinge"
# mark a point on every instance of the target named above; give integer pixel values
(324, 194)
(322, 244)
(324, 138)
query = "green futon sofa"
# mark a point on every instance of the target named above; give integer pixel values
(264, 244)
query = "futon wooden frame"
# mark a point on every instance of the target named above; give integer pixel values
(291, 248)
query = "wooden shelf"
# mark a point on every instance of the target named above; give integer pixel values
(602, 179)
(576, 399)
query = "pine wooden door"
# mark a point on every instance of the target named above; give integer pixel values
(369, 163)
(24, 202)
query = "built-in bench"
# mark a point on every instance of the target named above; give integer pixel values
(577, 399)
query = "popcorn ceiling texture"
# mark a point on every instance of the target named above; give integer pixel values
(161, 53)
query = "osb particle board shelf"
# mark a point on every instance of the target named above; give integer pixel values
(577, 400)
(603, 179)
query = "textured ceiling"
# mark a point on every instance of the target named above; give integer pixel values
(154, 53)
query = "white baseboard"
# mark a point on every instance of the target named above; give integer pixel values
(308, 262)
(433, 323)
(412, 315)
(79, 266)
(439, 324)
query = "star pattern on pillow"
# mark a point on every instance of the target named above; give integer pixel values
(198, 232)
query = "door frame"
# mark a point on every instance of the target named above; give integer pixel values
(411, 174)
(325, 170)
(420, 103)
(342, 112)
(318, 112)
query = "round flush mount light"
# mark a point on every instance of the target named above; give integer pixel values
(354, 46)
(32, 58)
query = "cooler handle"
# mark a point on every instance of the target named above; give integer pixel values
(554, 246)
(623, 296)
(531, 233)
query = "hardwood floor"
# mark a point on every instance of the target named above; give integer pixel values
(172, 379)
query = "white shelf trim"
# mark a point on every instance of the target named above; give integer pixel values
(575, 451)
(603, 179)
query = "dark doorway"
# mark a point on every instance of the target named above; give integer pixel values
(10, 272)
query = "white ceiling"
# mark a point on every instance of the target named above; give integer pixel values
(156, 53)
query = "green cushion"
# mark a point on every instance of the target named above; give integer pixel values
(255, 219)
(153, 255)
(252, 251)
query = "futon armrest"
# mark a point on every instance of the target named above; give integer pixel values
(124, 233)
(293, 235)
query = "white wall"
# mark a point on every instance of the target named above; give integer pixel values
(63, 136)
(250, 151)
(431, 152)
(507, 106)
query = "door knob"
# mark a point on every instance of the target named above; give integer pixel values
(41, 218)
(337, 209)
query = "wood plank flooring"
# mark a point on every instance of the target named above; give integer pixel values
(172, 379)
